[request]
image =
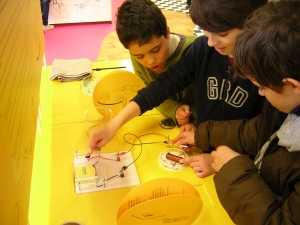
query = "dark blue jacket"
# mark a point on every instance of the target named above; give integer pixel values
(218, 95)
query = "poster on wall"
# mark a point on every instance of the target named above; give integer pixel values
(79, 11)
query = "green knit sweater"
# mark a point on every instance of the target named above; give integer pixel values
(169, 106)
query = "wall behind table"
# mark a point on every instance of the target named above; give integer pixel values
(79, 11)
(21, 54)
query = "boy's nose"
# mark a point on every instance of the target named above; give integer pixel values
(261, 91)
(212, 41)
(151, 60)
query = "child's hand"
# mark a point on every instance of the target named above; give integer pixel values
(185, 138)
(201, 164)
(221, 156)
(182, 114)
(101, 138)
(188, 127)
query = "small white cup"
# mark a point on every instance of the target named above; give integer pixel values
(96, 118)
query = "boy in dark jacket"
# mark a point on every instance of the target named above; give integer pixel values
(257, 163)
(207, 63)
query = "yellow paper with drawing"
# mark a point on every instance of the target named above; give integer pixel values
(160, 201)
(21, 52)
(116, 89)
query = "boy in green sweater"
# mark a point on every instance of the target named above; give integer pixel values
(143, 30)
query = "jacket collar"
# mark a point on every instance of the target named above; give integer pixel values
(296, 110)
(289, 132)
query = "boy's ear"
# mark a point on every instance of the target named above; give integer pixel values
(168, 32)
(295, 84)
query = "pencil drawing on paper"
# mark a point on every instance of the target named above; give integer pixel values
(73, 11)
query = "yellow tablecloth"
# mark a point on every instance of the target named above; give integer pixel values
(62, 131)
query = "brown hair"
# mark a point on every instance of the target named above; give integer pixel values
(138, 21)
(222, 15)
(268, 48)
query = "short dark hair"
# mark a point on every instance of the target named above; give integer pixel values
(138, 21)
(222, 15)
(268, 48)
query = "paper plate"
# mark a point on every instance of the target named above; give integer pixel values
(169, 164)
(116, 89)
(88, 84)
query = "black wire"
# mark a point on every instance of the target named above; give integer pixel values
(141, 150)
(124, 167)
(146, 143)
